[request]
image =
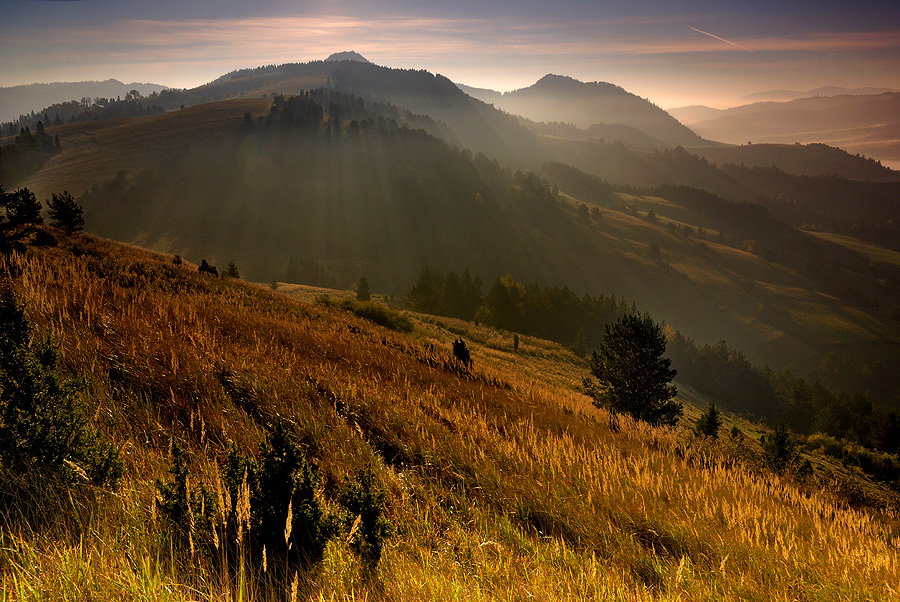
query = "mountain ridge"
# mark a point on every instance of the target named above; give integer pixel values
(565, 99)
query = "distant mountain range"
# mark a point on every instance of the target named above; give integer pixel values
(21, 100)
(865, 124)
(786, 95)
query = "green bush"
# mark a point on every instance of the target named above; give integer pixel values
(43, 429)
(274, 506)
(363, 504)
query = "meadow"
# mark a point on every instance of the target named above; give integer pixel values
(501, 481)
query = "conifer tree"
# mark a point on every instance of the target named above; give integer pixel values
(632, 375)
(363, 293)
(709, 422)
(65, 212)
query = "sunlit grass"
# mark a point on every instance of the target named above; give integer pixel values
(503, 483)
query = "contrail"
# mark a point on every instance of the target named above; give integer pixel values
(706, 33)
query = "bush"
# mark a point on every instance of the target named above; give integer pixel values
(461, 353)
(373, 312)
(363, 504)
(189, 513)
(43, 429)
(274, 505)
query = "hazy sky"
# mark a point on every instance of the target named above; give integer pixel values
(674, 53)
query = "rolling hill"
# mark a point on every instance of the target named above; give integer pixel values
(18, 100)
(272, 188)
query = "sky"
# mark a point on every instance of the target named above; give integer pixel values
(673, 53)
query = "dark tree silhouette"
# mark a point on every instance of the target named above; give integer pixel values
(231, 271)
(22, 207)
(65, 212)
(632, 375)
(363, 293)
(709, 422)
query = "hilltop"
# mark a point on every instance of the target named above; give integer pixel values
(500, 481)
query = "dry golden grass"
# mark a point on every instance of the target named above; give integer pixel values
(503, 483)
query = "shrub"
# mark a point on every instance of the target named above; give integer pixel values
(189, 512)
(461, 352)
(274, 506)
(373, 312)
(363, 504)
(43, 429)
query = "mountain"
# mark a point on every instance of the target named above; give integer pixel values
(348, 56)
(18, 100)
(473, 123)
(694, 113)
(787, 95)
(567, 100)
(868, 125)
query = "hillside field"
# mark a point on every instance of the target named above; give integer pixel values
(501, 481)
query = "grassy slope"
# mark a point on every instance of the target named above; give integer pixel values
(93, 152)
(503, 485)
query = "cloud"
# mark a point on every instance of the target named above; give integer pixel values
(474, 50)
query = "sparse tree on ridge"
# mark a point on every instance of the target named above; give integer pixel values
(22, 207)
(632, 375)
(65, 212)
(231, 271)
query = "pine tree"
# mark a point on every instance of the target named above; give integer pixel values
(363, 293)
(231, 271)
(65, 212)
(709, 422)
(632, 375)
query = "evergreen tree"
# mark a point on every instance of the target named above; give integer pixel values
(22, 207)
(65, 212)
(362, 290)
(779, 448)
(709, 422)
(231, 271)
(632, 374)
